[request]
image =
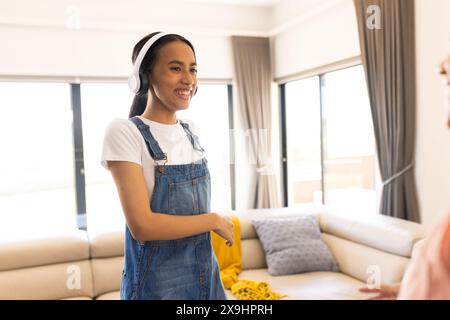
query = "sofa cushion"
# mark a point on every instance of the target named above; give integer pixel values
(106, 244)
(253, 256)
(308, 286)
(246, 217)
(106, 274)
(54, 281)
(114, 295)
(377, 231)
(58, 248)
(294, 245)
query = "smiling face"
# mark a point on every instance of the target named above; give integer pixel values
(173, 79)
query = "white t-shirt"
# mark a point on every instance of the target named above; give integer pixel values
(124, 142)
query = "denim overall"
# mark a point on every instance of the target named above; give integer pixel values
(185, 268)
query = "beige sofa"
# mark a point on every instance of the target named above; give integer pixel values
(87, 266)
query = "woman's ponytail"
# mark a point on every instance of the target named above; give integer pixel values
(138, 105)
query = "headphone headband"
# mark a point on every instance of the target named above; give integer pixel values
(134, 81)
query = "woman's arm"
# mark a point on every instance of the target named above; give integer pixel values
(146, 225)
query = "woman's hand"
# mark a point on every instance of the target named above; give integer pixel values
(225, 228)
(444, 69)
(386, 291)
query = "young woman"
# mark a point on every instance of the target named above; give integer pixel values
(163, 181)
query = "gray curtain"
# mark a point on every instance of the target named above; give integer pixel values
(388, 55)
(253, 77)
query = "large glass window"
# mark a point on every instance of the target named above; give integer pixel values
(100, 104)
(37, 196)
(103, 102)
(330, 142)
(303, 141)
(209, 111)
(37, 185)
(349, 144)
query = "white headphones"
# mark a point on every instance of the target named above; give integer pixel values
(135, 81)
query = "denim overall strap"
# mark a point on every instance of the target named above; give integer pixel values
(192, 137)
(152, 145)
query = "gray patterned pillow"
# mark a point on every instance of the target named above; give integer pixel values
(294, 245)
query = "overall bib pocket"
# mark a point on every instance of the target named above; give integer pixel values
(189, 197)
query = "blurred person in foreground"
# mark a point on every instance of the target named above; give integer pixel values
(428, 275)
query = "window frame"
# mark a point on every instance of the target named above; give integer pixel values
(78, 158)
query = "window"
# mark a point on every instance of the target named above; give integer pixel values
(209, 110)
(303, 141)
(37, 195)
(38, 185)
(349, 143)
(329, 140)
(100, 104)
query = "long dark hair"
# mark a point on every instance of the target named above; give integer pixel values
(140, 101)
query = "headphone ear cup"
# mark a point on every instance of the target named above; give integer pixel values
(144, 84)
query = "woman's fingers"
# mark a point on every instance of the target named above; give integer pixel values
(445, 66)
(226, 229)
(379, 296)
(367, 290)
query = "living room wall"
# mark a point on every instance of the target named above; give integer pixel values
(44, 39)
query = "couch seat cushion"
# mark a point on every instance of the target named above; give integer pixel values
(115, 295)
(308, 286)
